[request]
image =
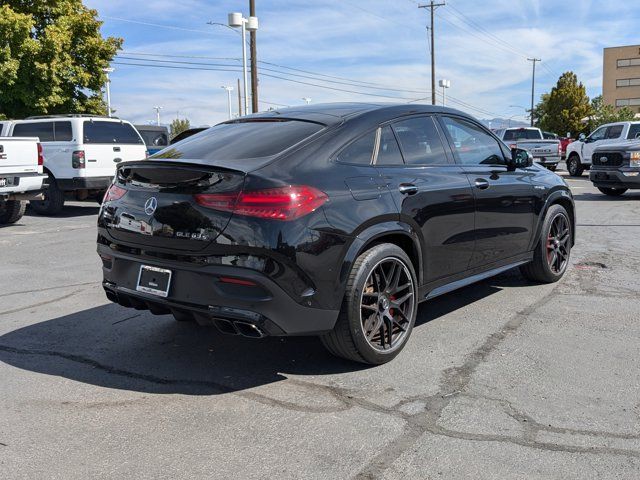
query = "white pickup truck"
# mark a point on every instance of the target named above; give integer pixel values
(21, 176)
(579, 153)
(545, 151)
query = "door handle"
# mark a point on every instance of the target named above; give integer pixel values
(481, 183)
(408, 189)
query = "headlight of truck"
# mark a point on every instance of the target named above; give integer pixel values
(635, 159)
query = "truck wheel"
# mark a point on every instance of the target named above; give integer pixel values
(11, 211)
(574, 166)
(52, 203)
(551, 255)
(379, 307)
(612, 192)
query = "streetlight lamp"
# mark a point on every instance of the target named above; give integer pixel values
(107, 71)
(229, 90)
(157, 109)
(237, 20)
(444, 83)
(307, 100)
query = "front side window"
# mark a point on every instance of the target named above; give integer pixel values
(359, 152)
(243, 140)
(388, 151)
(599, 134)
(110, 132)
(420, 141)
(471, 144)
(42, 130)
(614, 132)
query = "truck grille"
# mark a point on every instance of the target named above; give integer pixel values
(608, 159)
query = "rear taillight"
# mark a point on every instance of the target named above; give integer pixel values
(560, 149)
(286, 203)
(77, 159)
(40, 155)
(114, 193)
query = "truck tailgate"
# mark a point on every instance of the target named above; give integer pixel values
(18, 155)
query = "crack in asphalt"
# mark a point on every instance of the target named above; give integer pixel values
(40, 304)
(59, 287)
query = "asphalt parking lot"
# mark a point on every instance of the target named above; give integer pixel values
(501, 380)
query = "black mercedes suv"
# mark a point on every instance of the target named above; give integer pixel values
(332, 220)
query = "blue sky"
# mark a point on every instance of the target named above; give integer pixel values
(374, 47)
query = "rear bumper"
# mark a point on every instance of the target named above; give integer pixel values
(548, 160)
(197, 292)
(84, 183)
(27, 187)
(615, 178)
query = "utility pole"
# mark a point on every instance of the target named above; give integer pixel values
(533, 83)
(432, 6)
(229, 89)
(107, 71)
(254, 60)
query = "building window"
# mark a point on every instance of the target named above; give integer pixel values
(629, 62)
(623, 102)
(628, 82)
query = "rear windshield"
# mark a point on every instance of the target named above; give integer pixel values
(522, 134)
(154, 138)
(243, 140)
(111, 132)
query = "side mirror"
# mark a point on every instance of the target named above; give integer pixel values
(582, 137)
(520, 158)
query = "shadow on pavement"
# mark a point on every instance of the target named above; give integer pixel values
(113, 347)
(82, 210)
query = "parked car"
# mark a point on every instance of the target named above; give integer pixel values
(579, 153)
(156, 137)
(21, 176)
(546, 152)
(80, 154)
(186, 134)
(333, 220)
(564, 141)
(615, 168)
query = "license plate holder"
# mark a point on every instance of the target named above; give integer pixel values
(6, 182)
(154, 280)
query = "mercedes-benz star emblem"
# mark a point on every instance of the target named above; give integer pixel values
(150, 206)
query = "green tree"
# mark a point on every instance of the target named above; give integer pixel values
(602, 113)
(563, 109)
(52, 56)
(179, 125)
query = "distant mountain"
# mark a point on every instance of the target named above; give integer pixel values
(495, 123)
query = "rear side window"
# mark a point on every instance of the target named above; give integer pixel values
(615, 131)
(389, 151)
(110, 132)
(243, 140)
(634, 132)
(42, 130)
(360, 151)
(420, 142)
(154, 138)
(62, 131)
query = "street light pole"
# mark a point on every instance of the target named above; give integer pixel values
(229, 90)
(107, 71)
(533, 83)
(251, 24)
(157, 109)
(444, 83)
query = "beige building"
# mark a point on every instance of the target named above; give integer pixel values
(621, 77)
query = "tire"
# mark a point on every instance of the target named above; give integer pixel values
(541, 269)
(574, 166)
(11, 211)
(612, 192)
(52, 203)
(348, 338)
